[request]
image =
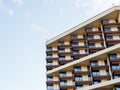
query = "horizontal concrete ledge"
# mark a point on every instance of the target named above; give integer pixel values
(100, 85)
(115, 47)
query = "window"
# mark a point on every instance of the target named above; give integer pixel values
(90, 37)
(116, 76)
(61, 43)
(105, 21)
(49, 48)
(96, 81)
(63, 83)
(109, 37)
(94, 63)
(49, 63)
(77, 69)
(117, 87)
(109, 45)
(75, 44)
(62, 74)
(49, 87)
(91, 45)
(75, 51)
(61, 57)
(107, 29)
(89, 30)
(49, 56)
(61, 50)
(49, 78)
(74, 36)
(112, 56)
(79, 86)
(95, 73)
(78, 78)
(89, 78)
(115, 67)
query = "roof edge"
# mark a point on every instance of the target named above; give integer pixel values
(83, 24)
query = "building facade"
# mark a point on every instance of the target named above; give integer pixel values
(86, 57)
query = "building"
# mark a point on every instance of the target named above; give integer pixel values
(86, 57)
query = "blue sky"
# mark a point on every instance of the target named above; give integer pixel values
(25, 25)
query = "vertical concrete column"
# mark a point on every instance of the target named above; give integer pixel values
(119, 17)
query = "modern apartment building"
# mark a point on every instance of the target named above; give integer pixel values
(86, 57)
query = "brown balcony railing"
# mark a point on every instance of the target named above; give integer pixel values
(81, 72)
(115, 60)
(51, 51)
(100, 67)
(112, 40)
(52, 82)
(95, 40)
(96, 48)
(77, 47)
(99, 77)
(112, 32)
(63, 45)
(51, 59)
(78, 39)
(64, 53)
(83, 82)
(94, 32)
(117, 71)
(64, 61)
(67, 86)
(49, 67)
(66, 77)
(109, 24)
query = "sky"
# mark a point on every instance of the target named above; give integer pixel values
(25, 26)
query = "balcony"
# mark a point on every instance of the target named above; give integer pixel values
(64, 45)
(95, 40)
(51, 66)
(94, 48)
(111, 40)
(76, 54)
(64, 61)
(78, 47)
(94, 32)
(115, 60)
(112, 32)
(81, 72)
(67, 86)
(83, 82)
(113, 24)
(98, 67)
(116, 69)
(99, 77)
(52, 82)
(64, 52)
(52, 58)
(65, 77)
(77, 39)
(51, 51)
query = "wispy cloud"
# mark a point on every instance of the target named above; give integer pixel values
(27, 15)
(17, 2)
(94, 6)
(1, 4)
(10, 12)
(48, 1)
(61, 10)
(36, 28)
(77, 3)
